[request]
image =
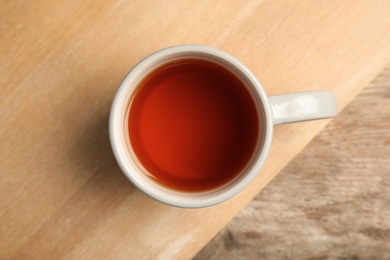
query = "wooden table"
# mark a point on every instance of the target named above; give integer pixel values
(61, 191)
(331, 201)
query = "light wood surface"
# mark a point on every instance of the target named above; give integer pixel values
(330, 202)
(61, 191)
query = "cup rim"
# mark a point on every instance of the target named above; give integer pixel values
(126, 162)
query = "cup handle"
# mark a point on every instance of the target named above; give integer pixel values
(302, 106)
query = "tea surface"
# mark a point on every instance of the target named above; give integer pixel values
(193, 125)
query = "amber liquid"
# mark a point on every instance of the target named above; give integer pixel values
(193, 125)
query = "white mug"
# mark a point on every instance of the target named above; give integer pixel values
(274, 110)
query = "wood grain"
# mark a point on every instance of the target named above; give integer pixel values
(62, 194)
(332, 201)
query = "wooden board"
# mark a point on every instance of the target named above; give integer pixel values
(61, 191)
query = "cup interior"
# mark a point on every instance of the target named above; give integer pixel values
(127, 159)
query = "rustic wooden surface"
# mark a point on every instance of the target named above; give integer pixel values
(332, 201)
(62, 194)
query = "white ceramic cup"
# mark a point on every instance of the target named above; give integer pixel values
(273, 110)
